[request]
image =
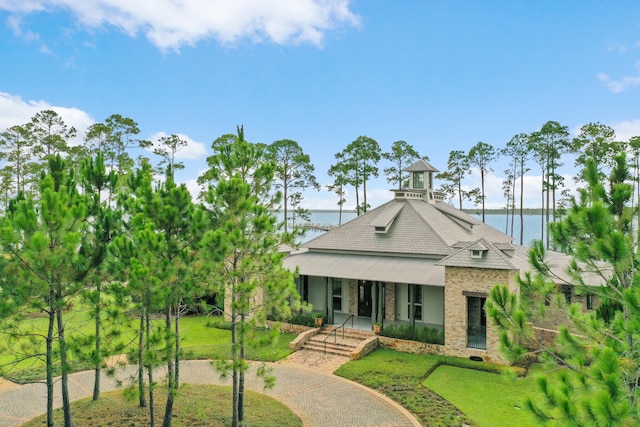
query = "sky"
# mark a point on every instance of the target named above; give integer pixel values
(441, 75)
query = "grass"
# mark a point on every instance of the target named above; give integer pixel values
(202, 405)
(399, 376)
(202, 338)
(446, 391)
(489, 399)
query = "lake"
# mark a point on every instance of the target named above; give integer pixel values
(532, 225)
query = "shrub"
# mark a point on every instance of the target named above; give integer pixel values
(301, 318)
(423, 334)
(218, 323)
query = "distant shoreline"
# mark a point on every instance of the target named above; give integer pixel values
(525, 211)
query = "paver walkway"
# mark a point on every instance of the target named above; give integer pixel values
(304, 383)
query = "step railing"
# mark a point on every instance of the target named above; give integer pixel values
(335, 332)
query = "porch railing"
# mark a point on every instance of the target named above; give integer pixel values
(335, 332)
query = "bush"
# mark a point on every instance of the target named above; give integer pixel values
(218, 323)
(304, 319)
(423, 334)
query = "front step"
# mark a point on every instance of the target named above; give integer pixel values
(337, 344)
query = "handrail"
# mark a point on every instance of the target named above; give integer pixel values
(335, 332)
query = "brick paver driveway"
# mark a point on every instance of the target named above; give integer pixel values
(318, 398)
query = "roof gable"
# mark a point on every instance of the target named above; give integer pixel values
(467, 256)
(420, 166)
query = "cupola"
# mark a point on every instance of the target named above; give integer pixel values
(420, 182)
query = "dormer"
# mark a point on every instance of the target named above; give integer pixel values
(477, 250)
(420, 182)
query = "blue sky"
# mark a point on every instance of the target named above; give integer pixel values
(441, 75)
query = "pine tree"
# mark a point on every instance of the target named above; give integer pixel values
(598, 350)
(243, 250)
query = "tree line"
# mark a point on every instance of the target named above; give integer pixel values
(90, 225)
(593, 364)
(548, 148)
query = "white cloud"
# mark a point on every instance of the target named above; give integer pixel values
(622, 84)
(627, 129)
(169, 24)
(15, 23)
(193, 151)
(16, 111)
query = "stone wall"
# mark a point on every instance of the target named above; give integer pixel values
(414, 347)
(479, 280)
(289, 328)
(364, 348)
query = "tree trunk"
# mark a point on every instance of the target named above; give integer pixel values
(513, 197)
(364, 193)
(168, 409)
(482, 183)
(64, 365)
(521, 202)
(152, 418)
(241, 379)
(549, 190)
(286, 202)
(177, 355)
(98, 348)
(542, 207)
(142, 401)
(52, 315)
(234, 377)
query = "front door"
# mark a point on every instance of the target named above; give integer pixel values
(364, 298)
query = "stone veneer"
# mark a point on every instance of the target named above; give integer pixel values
(390, 301)
(480, 280)
(353, 297)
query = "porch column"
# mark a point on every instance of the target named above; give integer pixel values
(412, 305)
(329, 304)
(381, 302)
(374, 302)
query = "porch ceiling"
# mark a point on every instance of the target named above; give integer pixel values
(363, 267)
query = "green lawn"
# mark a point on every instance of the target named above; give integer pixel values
(202, 338)
(489, 399)
(399, 376)
(447, 391)
(201, 405)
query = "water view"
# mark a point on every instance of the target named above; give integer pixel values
(532, 224)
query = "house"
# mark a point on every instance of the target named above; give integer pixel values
(415, 259)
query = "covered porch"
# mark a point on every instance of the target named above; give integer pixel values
(373, 288)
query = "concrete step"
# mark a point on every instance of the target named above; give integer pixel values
(348, 344)
(358, 334)
(337, 339)
(330, 348)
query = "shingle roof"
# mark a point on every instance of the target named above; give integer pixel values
(492, 257)
(381, 268)
(419, 229)
(420, 166)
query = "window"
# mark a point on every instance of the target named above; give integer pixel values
(418, 180)
(336, 286)
(417, 301)
(476, 253)
(589, 302)
(476, 323)
(566, 290)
